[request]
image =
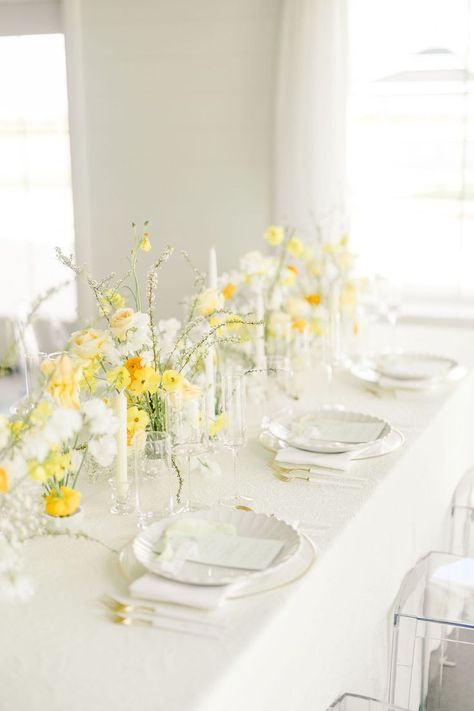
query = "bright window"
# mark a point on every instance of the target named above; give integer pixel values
(36, 211)
(411, 141)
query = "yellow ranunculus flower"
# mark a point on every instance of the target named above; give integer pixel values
(88, 343)
(121, 321)
(63, 502)
(145, 380)
(207, 302)
(274, 235)
(299, 325)
(313, 299)
(295, 247)
(119, 377)
(229, 290)
(137, 420)
(63, 380)
(171, 381)
(36, 471)
(218, 424)
(145, 244)
(4, 485)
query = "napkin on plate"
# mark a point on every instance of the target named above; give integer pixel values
(299, 457)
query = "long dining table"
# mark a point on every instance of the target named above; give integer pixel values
(295, 648)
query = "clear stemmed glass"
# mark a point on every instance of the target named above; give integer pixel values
(234, 431)
(390, 302)
(187, 427)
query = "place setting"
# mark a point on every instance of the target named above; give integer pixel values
(320, 444)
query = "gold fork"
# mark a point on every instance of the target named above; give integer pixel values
(278, 472)
(121, 607)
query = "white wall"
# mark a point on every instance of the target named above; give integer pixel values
(172, 107)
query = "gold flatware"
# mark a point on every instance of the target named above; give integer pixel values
(120, 607)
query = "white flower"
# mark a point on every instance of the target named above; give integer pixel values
(111, 353)
(9, 557)
(103, 449)
(257, 264)
(63, 424)
(15, 466)
(36, 445)
(99, 418)
(137, 336)
(167, 333)
(147, 358)
(297, 307)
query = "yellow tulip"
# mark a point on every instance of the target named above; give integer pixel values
(63, 380)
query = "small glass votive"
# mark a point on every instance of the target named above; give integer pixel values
(152, 454)
(122, 497)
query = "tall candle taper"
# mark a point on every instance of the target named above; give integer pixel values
(121, 477)
(209, 360)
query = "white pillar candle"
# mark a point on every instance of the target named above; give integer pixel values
(120, 411)
(212, 275)
(260, 331)
(209, 360)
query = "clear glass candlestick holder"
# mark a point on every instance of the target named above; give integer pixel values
(152, 465)
(122, 497)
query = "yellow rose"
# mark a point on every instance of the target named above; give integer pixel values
(63, 380)
(295, 247)
(63, 502)
(207, 302)
(118, 378)
(274, 235)
(171, 381)
(122, 321)
(229, 290)
(4, 486)
(145, 380)
(88, 343)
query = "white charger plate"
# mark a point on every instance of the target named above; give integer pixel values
(247, 523)
(369, 370)
(291, 571)
(279, 426)
(391, 443)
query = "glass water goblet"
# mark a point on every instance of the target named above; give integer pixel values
(233, 433)
(188, 429)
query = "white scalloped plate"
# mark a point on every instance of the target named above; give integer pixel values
(370, 370)
(279, 426)
(288, 573)
(247, 523)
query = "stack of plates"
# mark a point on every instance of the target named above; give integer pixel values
(329, 430)
(408, 371)
(294, 558)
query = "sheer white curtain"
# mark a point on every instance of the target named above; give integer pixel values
(309, 170)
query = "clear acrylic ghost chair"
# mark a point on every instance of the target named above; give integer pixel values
(462, 516)
(354, 702)
(433, 622)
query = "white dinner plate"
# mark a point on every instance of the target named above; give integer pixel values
(247, 523)
(391, 443)
(289, 572)
(407, 371)
(289, 426)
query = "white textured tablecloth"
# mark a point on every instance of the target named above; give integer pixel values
(294, 649)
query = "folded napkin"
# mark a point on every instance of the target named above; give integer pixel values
(299, 457)
(204, 597)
